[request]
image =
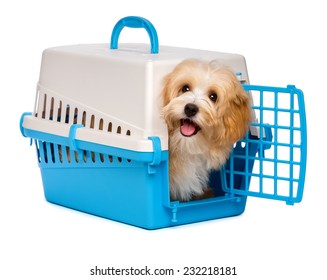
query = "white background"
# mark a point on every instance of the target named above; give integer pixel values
(284, 42)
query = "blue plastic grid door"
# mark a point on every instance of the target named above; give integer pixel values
(277, 171)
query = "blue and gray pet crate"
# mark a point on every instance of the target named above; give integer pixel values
(102, 146)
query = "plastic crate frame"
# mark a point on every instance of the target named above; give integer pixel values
(127, 178)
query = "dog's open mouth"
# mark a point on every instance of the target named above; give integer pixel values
(188, 128)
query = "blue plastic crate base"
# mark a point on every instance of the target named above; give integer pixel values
(125, 191)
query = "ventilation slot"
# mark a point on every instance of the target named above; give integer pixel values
(84, 119)
(60, 153)
(59, 111)
(92, 126)
(75, 115)
(101, 128)
(44, 106)
(51, 109)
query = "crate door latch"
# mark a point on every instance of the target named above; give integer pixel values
(156, 154)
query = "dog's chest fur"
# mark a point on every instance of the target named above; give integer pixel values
(190, 175)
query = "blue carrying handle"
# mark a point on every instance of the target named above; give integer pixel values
(135, 22)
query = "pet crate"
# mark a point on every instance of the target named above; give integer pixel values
(102, 146)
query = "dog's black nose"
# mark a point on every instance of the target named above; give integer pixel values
(191, 109)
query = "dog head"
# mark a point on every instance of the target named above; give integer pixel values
(204, 102)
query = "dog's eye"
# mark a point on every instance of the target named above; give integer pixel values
(213, 96)
(185, 88)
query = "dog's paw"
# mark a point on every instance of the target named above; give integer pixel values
(208, 193)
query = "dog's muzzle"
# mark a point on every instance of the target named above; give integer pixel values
(188, 127)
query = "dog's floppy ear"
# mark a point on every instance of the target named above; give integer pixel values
(238, 115)
(166, 90)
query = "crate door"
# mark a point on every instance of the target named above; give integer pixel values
(270, 161)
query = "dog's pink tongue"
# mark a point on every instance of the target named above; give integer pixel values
(188, 128)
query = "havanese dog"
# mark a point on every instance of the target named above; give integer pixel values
(206, 110)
